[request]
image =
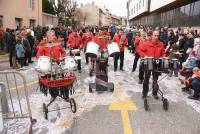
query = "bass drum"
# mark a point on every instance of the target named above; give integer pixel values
(44, 64)
(92, 48)
(113, 48)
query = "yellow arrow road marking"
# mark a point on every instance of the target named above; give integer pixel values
(124, 106)
(22, 85)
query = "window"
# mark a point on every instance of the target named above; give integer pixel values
(1, 20)
(140, 4)
(32, 23)
(31, 4)
(18, 23)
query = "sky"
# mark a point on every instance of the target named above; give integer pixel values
(116, 7)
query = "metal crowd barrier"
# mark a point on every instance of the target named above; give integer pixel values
(12, 107)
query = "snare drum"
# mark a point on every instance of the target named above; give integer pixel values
(147, 64)
(113, 48)
(104, 54)
(75, 51)
(166, 63)
(69, 64)
(44, 64)
(175, 64)
(157, 64)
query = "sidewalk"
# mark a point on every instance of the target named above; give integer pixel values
(4, 58)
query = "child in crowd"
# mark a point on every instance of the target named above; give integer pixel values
(20, 51)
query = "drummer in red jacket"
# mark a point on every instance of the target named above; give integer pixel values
(51, 47)
(75, 42)
(152, 48)
(121, 40)
(87, 37)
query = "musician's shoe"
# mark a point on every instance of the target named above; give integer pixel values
(133, 70)
(79, 71)
(121, 69)
(186, 89)
(115, 70)
(193, 98)
(140, 82)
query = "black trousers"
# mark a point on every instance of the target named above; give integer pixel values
(28, 56)
(21, 61)
(146, 83)
(118, 56)
(137, 56)
(11, 54)
(141, 73)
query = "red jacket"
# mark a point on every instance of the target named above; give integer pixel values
(74, 40)
(87, 38)
(57, 52)
(152, 49)
(117, 38)
(102, 40)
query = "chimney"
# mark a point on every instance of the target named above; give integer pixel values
(93, 3)
(81, 4)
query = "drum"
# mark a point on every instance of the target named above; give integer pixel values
(157, 64)
(104, 54)
(44, 64)
(75, 51)
(175, 64)
(78, 58)
(166, 63)
(147, 64)
(92, 48)
(113, 48)
(69, 64)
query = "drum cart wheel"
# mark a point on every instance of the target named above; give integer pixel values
(72, 105)
(112, 88)
(165, 104)
(146, 105)
(45, 110)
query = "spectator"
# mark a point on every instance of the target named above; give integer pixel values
(20, 51)
(2, 45)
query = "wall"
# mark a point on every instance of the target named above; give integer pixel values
(156, 4)
(137, 7)
(11, 9)
(49, 20)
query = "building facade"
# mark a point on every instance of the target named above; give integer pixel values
(91, 14)
(18, 13)
(162, 12)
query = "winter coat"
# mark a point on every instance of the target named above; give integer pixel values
(151, 48)
(20, 50)
(102, 39)
(87, 38)
(74, 40)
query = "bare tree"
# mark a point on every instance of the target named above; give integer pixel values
(64, 8)
(70, 8)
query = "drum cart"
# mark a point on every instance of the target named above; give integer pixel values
(163, 99)
(101, 82)
(159, 66)
(57, 83)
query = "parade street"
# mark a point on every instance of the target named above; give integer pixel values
(120, 112)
